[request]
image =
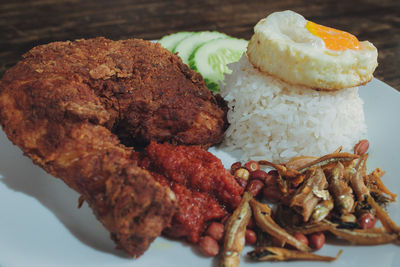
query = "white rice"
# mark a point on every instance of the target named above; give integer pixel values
(271, 119)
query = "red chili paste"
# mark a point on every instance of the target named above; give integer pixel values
(205, 190)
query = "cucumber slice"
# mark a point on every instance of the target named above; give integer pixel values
(170, 41)
(211, 59)
(186, 46)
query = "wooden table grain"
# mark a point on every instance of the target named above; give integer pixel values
(25, 24)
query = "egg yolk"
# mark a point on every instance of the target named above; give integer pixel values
(333, 39)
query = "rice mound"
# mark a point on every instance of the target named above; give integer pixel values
(271, 119)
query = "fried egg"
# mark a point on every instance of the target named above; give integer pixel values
(301, 52)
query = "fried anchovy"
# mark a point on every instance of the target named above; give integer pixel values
(282, 254)
(311, 228)
(375, 176)
(338, 150)
(309, 194)
(322, 210)
(364, 237)
(328, 159)
(357, 179)
(235, 230)
(262, 216)
(282, 170)
(297, 162)
(386, 221)
(341, 190)
(349, 170)
(374, 236)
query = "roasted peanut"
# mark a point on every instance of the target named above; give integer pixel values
(242, 173)
(251, 237)
(361, 147)
(260, 175)
(254, 187)
(316, 240)
(272, 193)
(301, 237)
(367, 220)
(252, 166)
(235, 166)
(208, 246)
(216, 231)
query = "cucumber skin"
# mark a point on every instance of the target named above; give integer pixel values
(215, 34)
(213, 86)
(172, 35)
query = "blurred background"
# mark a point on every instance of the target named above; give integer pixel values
(25, 24)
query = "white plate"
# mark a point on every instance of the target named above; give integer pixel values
(40, 224)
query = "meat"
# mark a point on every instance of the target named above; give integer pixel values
(68, 105)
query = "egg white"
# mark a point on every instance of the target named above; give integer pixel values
(282, 46)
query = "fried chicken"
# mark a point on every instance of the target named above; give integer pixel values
(68, 105)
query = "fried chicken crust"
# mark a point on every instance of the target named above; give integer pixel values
(67, 105)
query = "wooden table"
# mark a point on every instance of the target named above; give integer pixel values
(24, 24)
